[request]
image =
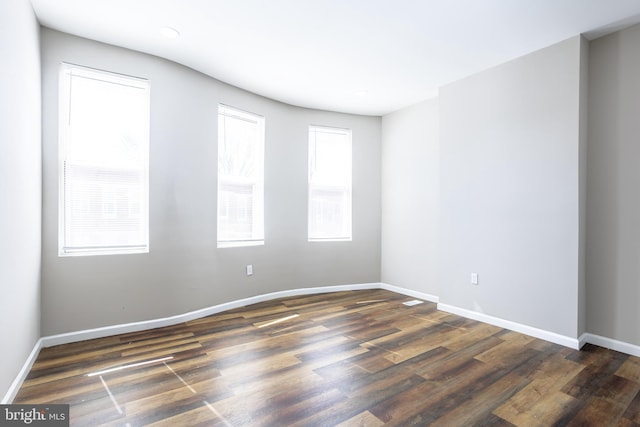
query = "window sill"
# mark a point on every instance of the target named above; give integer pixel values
(240, 244)
(104, 251)
(336, 239)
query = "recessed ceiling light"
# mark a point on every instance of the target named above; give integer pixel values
(169, 33)
(362, 92)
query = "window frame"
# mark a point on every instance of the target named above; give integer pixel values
(258, 238)
(347, 188)
(67, 72)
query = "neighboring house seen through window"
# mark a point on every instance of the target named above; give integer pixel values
(240, 178)
(104, 159)
(329, 184)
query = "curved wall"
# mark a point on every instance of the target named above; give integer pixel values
(184, 270)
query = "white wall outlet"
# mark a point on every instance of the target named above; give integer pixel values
(249, 270)
(474, 278)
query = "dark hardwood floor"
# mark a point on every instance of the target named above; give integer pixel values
(358, 358)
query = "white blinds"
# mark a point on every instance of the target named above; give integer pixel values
(240, 178)
(329, 184)
(104, 150)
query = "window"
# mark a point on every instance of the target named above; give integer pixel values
(240, 178)
(104, 159)
(329, 184)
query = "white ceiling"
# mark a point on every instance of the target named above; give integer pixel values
(320, 53)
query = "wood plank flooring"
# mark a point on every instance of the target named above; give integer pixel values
(358, 358)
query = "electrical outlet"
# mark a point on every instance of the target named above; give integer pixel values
(474, 278)
(249, 270)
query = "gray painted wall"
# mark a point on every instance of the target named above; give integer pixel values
(184, 270)
(20, 187)
(510, 194)
(613, 200)
(411, 197)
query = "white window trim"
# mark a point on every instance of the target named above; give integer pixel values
(341, 131)
(240, 114)
(64, 87)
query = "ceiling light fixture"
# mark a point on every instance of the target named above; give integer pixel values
(169, 33)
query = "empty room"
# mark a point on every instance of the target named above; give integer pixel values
(328, 213)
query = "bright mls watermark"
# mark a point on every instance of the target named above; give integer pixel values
(34, 415)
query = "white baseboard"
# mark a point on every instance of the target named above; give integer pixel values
(621, 346)
(88, 334)
(22, 375)
(513, 326)
(409, 292)
(106, 331)
(582, 340)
